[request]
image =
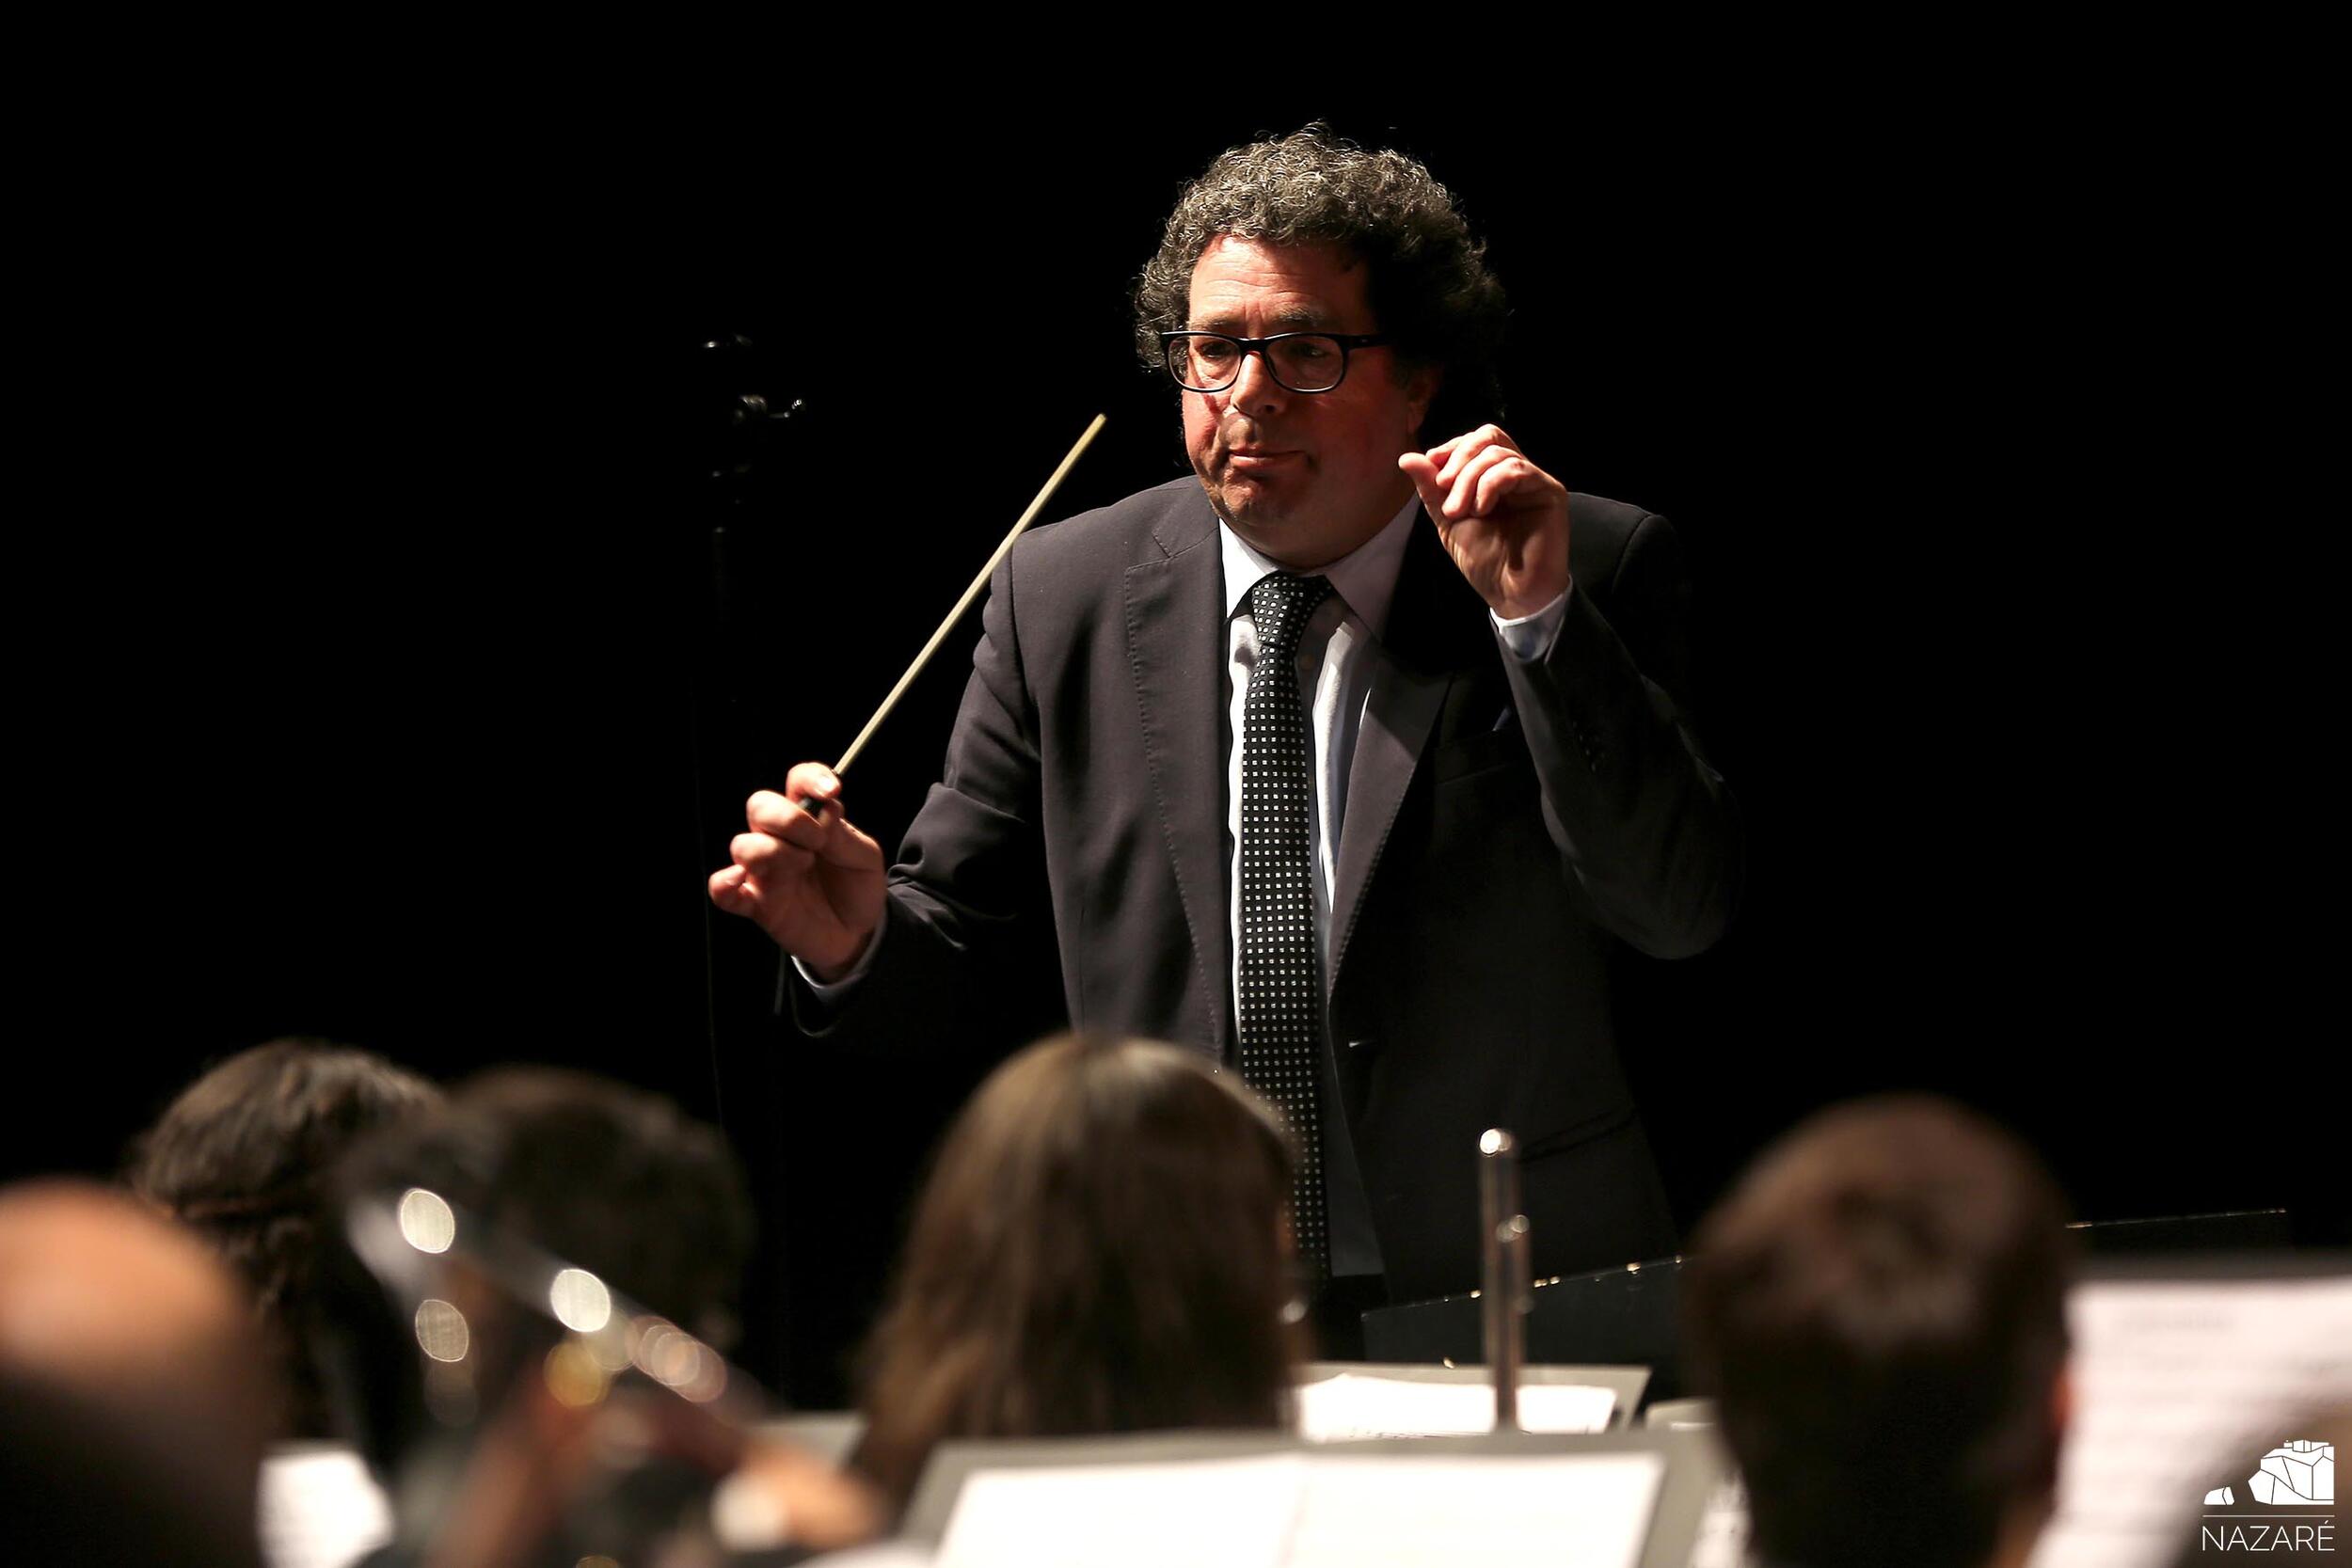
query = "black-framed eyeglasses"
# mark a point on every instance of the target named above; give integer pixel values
(1298, 362)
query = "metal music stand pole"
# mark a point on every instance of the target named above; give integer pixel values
(1508, 1288)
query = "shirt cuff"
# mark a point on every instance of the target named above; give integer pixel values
(1530, 637)
(827, 991)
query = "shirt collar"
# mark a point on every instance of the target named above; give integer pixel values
(1364, 578)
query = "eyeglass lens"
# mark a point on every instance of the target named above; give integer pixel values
(1306, 362)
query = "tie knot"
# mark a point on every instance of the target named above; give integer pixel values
(1280, 606)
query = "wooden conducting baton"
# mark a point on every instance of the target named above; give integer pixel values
(816, 806)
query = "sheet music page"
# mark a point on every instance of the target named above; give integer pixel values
(1564, 1407)
(1352, 1405)
(2173, 1382)
(1233, 1513)
(320, 1508)
(1401, 1512)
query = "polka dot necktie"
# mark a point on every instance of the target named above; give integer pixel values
(1282, 994)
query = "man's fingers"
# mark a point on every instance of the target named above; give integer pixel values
(782, 838)
(751, 850)
(1453, 456)
(786, 821)
(812, 781)
(767, 811)
(782, 818)
(1461, 481)
(1499, 480)
(1443, 449)
(1463, 497)
(1484, 435)
(804, 879)
(732, 890)
(764, 855)
(1424, 474)
(1462, 452)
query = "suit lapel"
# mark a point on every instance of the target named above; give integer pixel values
(1176, 646)
(1415, 665)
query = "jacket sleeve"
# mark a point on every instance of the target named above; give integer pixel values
(1644, 824)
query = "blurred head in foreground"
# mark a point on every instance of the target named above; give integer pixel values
(1880, 1308)
(1101, 1248)
(612, 1178)
(592, 1173)
(243, 1158)
(505, 1439)
(132, 1386)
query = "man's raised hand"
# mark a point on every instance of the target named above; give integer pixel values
(1503, 520)
(805, 874)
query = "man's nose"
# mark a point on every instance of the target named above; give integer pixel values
(1255, 388)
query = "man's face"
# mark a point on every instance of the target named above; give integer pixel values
(1304, 477)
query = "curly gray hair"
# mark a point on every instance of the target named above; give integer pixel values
(1426, 277)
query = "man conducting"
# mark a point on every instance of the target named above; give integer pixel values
(1337, 763)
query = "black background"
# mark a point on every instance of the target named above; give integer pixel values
(382, 676)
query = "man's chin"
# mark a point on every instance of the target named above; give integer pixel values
(1253, 497)
(1249, 513)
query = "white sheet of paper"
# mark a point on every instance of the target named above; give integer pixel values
(1326, 1510)
(1401, 1512)
(2174, 1381)
(1352, 1405)
(320, 1508)
(1234, 1513)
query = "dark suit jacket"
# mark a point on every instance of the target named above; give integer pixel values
(1505, 824)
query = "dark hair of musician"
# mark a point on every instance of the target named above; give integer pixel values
(242, 1157)
(1426, 277)
(612, 1178)
(1880, 1310)
(1099, 1249)
(595, 1174)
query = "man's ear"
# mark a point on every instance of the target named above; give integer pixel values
(1421, 389)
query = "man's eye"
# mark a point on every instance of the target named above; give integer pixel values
(1309, 350)
(1212, 351)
